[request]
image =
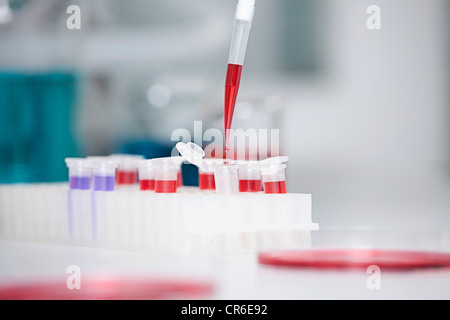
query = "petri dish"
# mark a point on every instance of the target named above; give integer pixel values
(395, 249)
(112, 288)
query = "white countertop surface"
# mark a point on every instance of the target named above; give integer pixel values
(232, 277)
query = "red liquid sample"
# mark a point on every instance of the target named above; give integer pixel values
(179, 179)
(249, 185)
(109, 289)
(356, 258)
(206, 181)
(126, 177)
(147, 184)
(165, 186)
(275, 187)
(232, 82)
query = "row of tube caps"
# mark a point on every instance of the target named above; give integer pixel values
(163, 175)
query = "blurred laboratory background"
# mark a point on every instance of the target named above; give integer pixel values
(364, 115)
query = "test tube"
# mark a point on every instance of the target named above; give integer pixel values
(166, 175)
(213, 173)
(226, 179)
(127, 168)
(79, 173)
(179, 160)
(146, 175)
(274, 179)
(206, 179)
(103, 173)
(249, 178)
(179, 178)
(274, 174)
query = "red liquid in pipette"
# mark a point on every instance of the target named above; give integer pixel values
(275, 187)
(206, 181)
(249, 185)
(165, 186)
(147, 184)
(231, 90)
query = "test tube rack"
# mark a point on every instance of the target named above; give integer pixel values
(190, 221)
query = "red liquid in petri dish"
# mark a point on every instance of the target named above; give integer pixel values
(206, 181)
(109, 289)
(232, 82)
(249, 185)
(275, 187)
(147, 184)
(179, 179)
(126, 177)
(165, 186)
(356, 259)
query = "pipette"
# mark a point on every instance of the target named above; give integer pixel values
(245, 10)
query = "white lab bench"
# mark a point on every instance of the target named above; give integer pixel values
(232, 277)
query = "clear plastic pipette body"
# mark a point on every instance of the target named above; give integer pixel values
(243, 18)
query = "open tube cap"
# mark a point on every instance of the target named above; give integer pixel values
(191, 152)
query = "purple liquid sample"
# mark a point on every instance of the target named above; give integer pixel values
(83, 183)
(104, 183)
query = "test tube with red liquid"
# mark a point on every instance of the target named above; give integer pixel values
(146, 171)
(194, 154)
(179, 177)
(127, 169)
(249, 178)
(206, 180)
(274, 179)
(179, 161)
(166, 175)
(79, 173)
(273, 172)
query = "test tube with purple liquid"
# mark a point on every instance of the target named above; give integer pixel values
(103, 173)
(79, 174)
